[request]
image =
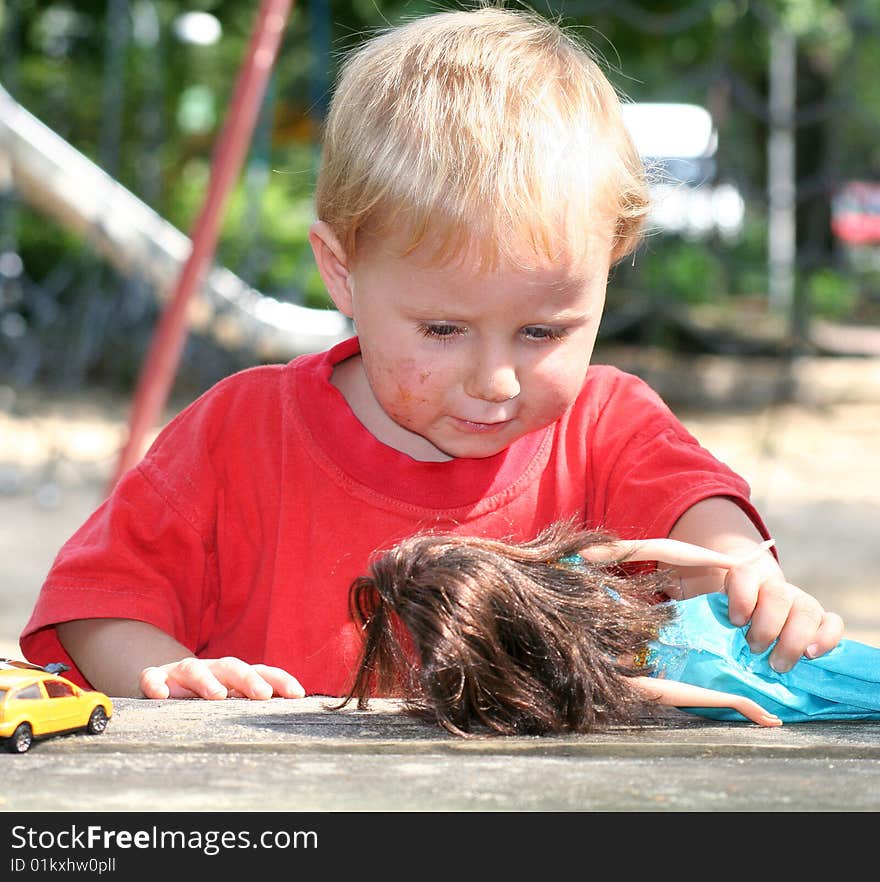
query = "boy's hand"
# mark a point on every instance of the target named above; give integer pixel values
(758, 593)
(217, 678)
(757, 589)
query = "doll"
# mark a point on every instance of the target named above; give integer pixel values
(563, 634)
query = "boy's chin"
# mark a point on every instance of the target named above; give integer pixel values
(470, 448)
(460, 439)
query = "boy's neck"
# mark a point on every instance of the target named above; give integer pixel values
(350, 379)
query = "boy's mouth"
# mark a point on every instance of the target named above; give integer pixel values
(474, 426)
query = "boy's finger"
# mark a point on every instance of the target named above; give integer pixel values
(771, 616)
(197, 676)
(153, 683)
(745, 583)
(238, 675)
(284, 684)
(827, 637)
(799, 632)
(742, 587)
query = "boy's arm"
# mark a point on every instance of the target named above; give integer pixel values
(757, 590)
(127, 658)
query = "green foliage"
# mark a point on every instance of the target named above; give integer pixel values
(746, 258)
(266, 232)
(832, 294)
(684, 272)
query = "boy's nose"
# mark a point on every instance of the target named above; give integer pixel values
(494, 384)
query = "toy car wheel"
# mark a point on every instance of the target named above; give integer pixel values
(97, 721)
(21, 739)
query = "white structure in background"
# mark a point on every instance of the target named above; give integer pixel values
(678, 143)
(696, 212)
(62, 183)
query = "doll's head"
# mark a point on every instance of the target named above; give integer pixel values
(487, 128)
(514, 638)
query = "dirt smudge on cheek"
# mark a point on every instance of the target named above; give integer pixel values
(407, 395)
(405, 383)
(406, 377)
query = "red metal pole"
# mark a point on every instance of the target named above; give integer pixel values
(166, 347)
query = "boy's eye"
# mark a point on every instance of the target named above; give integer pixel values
(542, 332)
(440, 329)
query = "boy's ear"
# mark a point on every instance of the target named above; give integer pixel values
(332, 262)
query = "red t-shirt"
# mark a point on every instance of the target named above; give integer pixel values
(242, 528)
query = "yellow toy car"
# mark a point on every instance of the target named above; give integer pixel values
(38, 702)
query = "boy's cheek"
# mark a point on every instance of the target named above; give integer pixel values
(560, 383)
(404, 387)
(404, 398)
(406, 378)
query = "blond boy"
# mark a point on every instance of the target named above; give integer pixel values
(476, 188)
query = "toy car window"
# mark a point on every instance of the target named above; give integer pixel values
(57, 689)
(3, 693)
(32, 691)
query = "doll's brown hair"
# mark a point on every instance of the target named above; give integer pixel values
(478, 633)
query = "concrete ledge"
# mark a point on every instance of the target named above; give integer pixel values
(297, 755)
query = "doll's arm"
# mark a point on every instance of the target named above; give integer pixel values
(676, 694)
(671, 551)
(715, 547)
(134, 659)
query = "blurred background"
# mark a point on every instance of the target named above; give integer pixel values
(753, 305)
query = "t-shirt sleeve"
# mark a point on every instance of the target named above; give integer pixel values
(648, 469)
(141, 555)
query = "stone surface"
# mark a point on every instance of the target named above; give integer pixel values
(300, 756)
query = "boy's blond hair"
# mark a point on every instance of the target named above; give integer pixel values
(490, 128)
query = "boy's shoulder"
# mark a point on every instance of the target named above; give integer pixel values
(619, 404)
(257, 395)
(608, 374)
(264, 379)
(266, 382)
(608, 383)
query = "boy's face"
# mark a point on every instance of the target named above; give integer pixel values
(459, 363)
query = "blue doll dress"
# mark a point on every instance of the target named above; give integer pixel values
(701, 647)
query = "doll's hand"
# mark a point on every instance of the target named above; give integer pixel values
(758, 593)
(683, 695)
(217, 678)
